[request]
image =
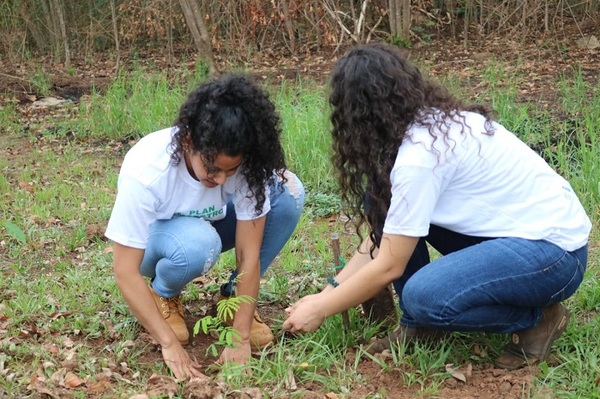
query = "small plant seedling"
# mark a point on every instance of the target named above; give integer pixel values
(228, 335)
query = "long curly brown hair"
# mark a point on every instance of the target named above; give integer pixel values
(233, 116)
(376, 95)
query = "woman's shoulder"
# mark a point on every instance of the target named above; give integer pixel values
(156, 140)
(150, 155)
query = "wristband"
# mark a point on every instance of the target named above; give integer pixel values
(332, 281)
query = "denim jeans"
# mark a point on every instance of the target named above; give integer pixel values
(496, 285)
(183, 248)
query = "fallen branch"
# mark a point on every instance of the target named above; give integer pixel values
(14, 77)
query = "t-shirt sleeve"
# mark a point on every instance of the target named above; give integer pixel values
(133, 212)
(415, 192)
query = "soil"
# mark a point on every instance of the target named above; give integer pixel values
(469, 381)
(542, 59)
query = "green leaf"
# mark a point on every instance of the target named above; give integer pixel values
(15, 232)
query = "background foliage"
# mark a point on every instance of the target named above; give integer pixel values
(61, 28)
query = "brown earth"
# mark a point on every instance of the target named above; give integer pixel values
(540, 61)
(469, 381)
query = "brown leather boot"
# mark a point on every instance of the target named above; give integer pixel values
(403, 335)
(260, 333)
(532, 346)
(172, 310)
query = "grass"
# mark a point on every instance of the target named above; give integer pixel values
(60, 308)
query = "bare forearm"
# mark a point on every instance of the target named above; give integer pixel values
(247, 286)
(365, 277)
(126, 265)
(137, 295)
(361, 286)
(248, 240)
(358, 260)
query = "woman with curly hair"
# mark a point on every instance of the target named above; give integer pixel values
(215, 181)
(420, 168)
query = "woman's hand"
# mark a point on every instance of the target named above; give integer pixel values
(307, 298)
(305, 315)
(180, 363)
(240, 353)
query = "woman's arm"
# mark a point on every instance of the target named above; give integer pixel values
(358, 260)
(361, 281)
(126, 267)
(248, 240)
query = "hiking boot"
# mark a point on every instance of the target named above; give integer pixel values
(172, 310)
(260, 333)
(532, 346)
(403, 335)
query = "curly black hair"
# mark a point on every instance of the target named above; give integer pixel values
(233, 116)
(376, 94)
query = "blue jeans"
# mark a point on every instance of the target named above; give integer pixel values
(496, 285)
(183, 248)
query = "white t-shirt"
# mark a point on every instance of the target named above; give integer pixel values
(151, 188)
(481, 185)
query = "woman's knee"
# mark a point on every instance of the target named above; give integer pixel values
(423, 301)
(288, 196)
(187, 242)
(578, 266)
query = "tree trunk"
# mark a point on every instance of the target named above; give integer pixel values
(547, 16)
(171, 52)
(467, 22)
(113, 13)
(392, 18)
(288, 25)
(397, 16)
(60, 18)
(400, 19)
(27, 13)
(199, 32)
(406, 19)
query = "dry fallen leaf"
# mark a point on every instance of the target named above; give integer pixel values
(26, 186)
(204, 388)
(253, 393)
(29, 331)
(95, 231)
(290, 381)
(58, 376)
(73, 381)
(158, 385)
(59, 315)
(456, 374)
(38, 386)
(201, 281)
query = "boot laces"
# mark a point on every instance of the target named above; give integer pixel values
(172, 305)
